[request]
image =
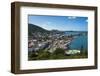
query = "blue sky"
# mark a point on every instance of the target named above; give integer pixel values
(62, 23)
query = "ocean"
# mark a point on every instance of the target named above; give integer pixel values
(78, 42)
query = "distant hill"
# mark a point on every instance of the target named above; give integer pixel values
(34, 28)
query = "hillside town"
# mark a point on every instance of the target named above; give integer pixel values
(49, 42)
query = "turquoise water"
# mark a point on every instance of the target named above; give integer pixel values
(79, 42)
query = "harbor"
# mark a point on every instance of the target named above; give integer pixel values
(50, 42)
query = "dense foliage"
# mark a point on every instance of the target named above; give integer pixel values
(57, 54)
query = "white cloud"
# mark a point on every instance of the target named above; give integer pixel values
(72, 17)
(48, 22)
